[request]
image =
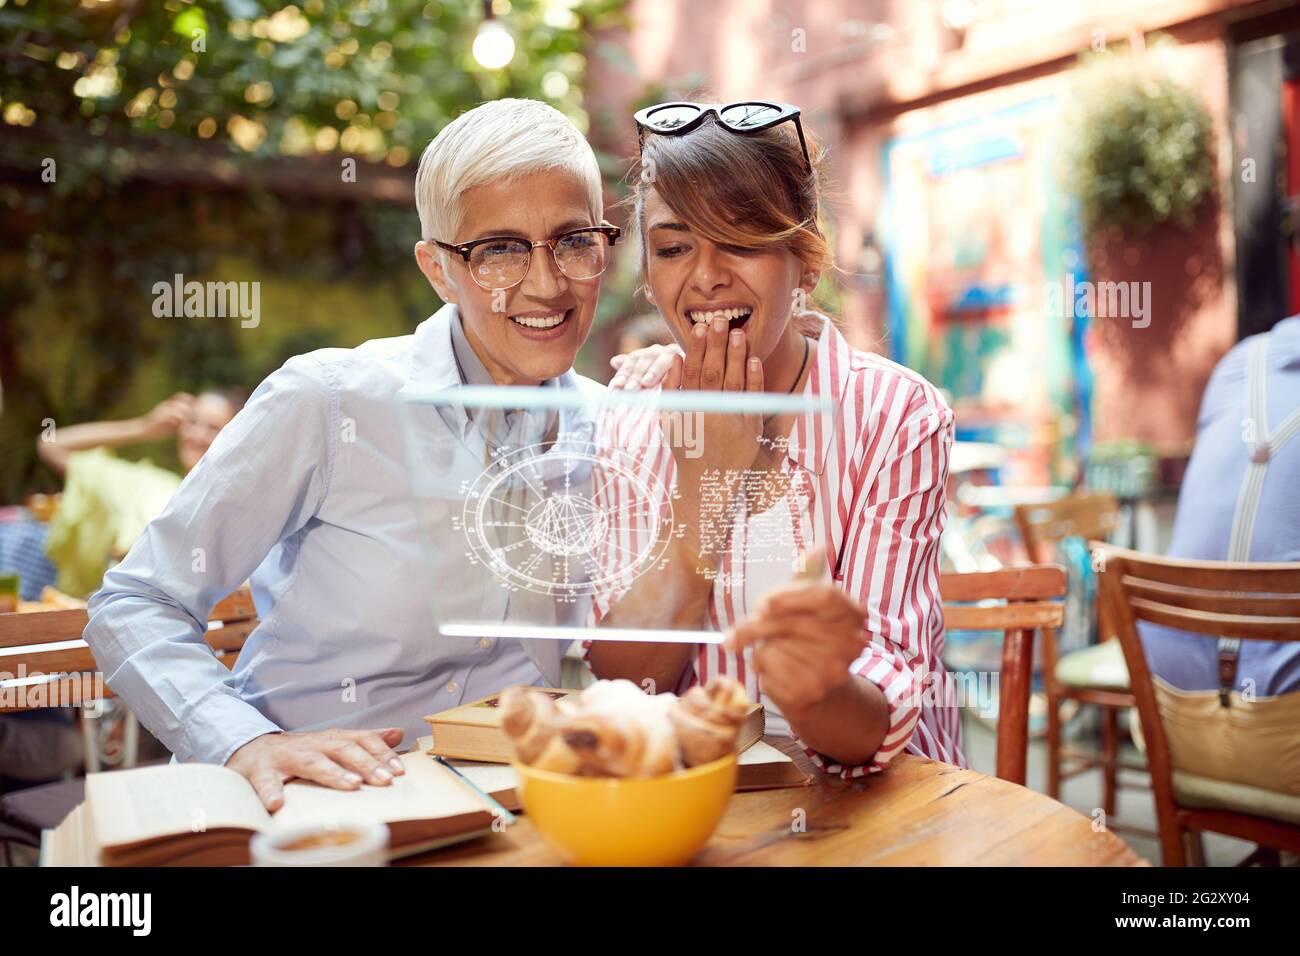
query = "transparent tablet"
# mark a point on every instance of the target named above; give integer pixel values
(544, 512)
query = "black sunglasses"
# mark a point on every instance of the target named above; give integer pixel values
(743, 118)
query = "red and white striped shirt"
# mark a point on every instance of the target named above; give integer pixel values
(867, 484)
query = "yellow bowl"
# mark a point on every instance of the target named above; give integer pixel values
(644, 821)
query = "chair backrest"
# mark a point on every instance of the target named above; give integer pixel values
(1087, 515)
(1250, 601)
(49, 644)
(1029, 599)
(1084, 514)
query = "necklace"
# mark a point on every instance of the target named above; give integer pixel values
(807, 350)
(802, 365)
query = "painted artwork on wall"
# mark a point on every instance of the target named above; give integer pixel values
(977, 234)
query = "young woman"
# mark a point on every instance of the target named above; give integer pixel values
(727, 215)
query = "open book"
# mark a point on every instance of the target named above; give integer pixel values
(204, 815)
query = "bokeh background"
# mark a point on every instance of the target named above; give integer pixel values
(986, 161)
(979, 152)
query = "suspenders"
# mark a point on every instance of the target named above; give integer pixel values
(1262, 445)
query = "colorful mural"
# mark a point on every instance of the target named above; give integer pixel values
(976, 232)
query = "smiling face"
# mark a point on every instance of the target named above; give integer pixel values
(532, 332)
(691, 279)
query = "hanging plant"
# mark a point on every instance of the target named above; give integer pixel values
(1139, 145)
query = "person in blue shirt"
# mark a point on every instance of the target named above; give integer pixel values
(307, 490)
(1240, 501)
(1231, 441)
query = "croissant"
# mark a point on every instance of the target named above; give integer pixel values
(613, 729)
(532, 720)
(619, 731)
(707, 720)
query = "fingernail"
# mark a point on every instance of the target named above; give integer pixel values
(382, 775)
(700, 330)
(396, 765)
(736, 336)
(351, 778)
(631, 386)
(754, 364)
(719, 325)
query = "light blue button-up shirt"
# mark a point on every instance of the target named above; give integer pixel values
(1208, 501)
(306, 493)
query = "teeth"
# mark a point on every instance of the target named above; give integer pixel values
(728, 314)
(539, 321)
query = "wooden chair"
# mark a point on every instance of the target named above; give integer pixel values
(50, 643)
(1219, 599)
(1028, 596)
(1093, 676)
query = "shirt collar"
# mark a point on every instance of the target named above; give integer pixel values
(471, 367)
(813, 432)
(443, 358)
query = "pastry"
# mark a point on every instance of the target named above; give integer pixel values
(614, 729)
(707, 720)
(620, 731)
(532, 721)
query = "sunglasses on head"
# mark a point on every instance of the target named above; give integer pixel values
(743, 118)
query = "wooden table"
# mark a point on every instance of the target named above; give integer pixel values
(917, 813)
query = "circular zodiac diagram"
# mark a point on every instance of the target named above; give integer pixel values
(567, 520)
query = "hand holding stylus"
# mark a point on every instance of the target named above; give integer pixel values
(804, 637)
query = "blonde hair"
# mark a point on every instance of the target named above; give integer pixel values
(500, 140)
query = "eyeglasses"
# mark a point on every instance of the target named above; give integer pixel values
(743, 118)
(502, 262)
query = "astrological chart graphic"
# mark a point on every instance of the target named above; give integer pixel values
(567, 520)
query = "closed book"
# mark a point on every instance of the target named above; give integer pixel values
(760, 767)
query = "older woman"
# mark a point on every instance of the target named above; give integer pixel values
(307, 489)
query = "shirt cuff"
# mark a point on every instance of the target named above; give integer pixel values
(897, 682)
(219, 725)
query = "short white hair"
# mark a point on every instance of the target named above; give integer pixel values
(499, 140)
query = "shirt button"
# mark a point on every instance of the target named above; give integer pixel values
(452, 687)
(484, 642)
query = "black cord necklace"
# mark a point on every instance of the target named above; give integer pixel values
(807, 351)
(802, 365)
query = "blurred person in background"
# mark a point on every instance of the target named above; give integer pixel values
(36, 746)
(1231, 709)
(108, 501)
